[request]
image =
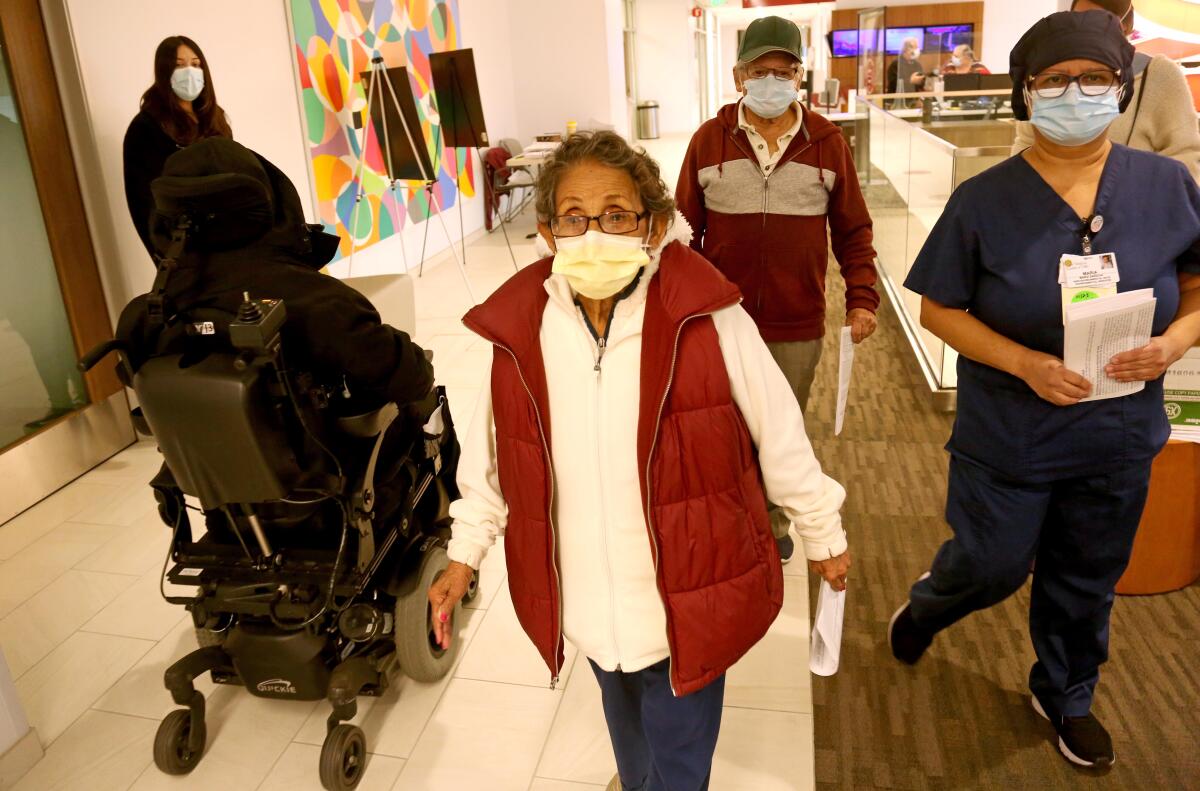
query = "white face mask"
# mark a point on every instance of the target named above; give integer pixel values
(597, 264)
(187, 82)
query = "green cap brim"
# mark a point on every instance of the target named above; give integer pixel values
(758, 52)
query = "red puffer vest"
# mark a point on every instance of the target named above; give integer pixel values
(718, 570)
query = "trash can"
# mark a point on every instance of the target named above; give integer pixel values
(647, 120)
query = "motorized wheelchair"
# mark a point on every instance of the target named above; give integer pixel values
(303, 588)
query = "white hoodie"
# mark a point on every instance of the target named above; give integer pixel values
(612, 610)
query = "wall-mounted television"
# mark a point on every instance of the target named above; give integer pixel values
(845, 44)
(894, 38)
(946, 37)
(935, 38)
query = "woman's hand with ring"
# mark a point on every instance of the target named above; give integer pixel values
(833, 570)
(1147, 363)
(444, 595)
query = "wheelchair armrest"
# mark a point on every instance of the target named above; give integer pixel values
(97, 353)
(371, 424)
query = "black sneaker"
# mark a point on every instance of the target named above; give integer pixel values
(787, 548)
(908, 641)
(1082, 740)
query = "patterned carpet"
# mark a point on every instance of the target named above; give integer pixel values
(961, 718)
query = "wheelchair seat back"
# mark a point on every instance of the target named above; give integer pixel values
(223, 433)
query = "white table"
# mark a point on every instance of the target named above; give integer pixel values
(534, 155)
(526, 160)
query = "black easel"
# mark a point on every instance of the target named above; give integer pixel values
(405, 160)
(460, 111)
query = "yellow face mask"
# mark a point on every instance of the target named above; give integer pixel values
(598, 264)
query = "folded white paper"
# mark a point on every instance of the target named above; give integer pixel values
(845, 366)
(826, 648)
(1098, 329)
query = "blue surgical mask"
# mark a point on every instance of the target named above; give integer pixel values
(187, 82)
(1075, 119)
(769, 97)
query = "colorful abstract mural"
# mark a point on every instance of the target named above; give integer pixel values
(335, 41)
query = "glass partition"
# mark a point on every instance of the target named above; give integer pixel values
(918, 157)
(38, 378)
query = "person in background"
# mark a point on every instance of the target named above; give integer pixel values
(905, 75)
(764, 186)
(1163, 117)
(177, 110)
(963, 62)
(632, 419)
(1037, 471)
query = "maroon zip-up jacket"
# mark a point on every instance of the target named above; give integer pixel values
(718, 568)
(767, 233)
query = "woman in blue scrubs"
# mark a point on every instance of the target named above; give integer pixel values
(1038, 473)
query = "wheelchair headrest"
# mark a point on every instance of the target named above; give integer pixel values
(222, 187)
(235, 199)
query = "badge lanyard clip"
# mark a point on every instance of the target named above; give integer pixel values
(1091, 225)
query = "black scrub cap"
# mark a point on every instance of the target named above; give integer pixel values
(1068, 35)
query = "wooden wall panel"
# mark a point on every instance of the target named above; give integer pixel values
(846, 69)
(33, 83)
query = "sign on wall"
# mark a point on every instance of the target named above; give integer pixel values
(335, 41)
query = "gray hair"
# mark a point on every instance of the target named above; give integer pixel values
(609, 149)
(912, 43)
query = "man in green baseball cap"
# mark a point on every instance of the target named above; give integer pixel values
(766, 186)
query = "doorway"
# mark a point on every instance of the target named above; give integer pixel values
(55, 423)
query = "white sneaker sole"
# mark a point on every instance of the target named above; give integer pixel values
(1062, 745)
(892, 622)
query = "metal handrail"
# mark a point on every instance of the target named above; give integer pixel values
(931, 95)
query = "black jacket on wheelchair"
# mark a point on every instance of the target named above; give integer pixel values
(273, 392)
(267, 250)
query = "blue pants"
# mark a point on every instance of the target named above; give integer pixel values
(661, 742)
(1080, 533)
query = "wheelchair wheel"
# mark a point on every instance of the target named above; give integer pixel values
(472, 589)
(421, 658)
(343, 758)
(171, 752)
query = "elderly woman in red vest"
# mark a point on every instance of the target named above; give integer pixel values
(633, 420)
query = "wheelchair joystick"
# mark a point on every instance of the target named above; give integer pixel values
(249, 312)
(256, 328)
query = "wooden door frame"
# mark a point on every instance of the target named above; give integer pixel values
(35, 88)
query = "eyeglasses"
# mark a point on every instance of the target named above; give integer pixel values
(1053, 84)
(758, 72)
(610, 222)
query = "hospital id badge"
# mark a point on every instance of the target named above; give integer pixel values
(1089, 271)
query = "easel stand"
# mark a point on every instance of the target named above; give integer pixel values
(466, 129)
(482, 171)
(378, 73)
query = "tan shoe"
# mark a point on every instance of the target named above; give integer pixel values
(614, 784)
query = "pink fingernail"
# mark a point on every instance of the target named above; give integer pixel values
(443, 617)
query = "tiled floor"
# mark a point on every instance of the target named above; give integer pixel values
(87, 638)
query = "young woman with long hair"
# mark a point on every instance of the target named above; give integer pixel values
(177, 110)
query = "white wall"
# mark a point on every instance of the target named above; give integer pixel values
(113, 43)
(487, 27)
(104, 49)
(567, 63)
(666, 63)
